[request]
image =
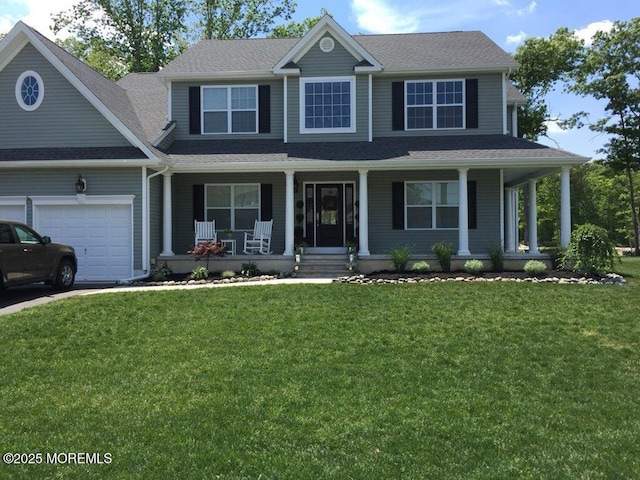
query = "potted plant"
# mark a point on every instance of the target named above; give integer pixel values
(300, 246)
(228, 232)
(352, 249)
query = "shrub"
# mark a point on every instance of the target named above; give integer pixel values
(473, 266)
(590, 251)
(496, 257)
(533, 268)
(420, 267)
(228, 274)
(444, 252)
(208, 250)
(200, 273)
(400, 257)
(250, 269)
(161, 272)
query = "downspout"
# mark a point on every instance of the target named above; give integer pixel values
(146, 242)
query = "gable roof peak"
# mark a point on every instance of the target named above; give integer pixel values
(327, 25)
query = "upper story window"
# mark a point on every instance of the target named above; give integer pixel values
(29, 90)
(230, 109)
(431, 205)
(434, 104)
(327, 105)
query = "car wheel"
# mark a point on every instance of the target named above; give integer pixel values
(65, 276)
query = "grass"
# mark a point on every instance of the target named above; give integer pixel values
(453, 380)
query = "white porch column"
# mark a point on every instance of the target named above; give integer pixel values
(363, 215)
(565, 207)
(167, 216)
(533, 217)
(463, 213)
(510, 214)
(289, 214)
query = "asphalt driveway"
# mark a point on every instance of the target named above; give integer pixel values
(15, 299)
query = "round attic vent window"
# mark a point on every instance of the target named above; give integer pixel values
(29, 90)
(327, 44)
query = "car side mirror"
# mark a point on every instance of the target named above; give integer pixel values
(46, 240)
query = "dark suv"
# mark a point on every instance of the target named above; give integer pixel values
(26, 257)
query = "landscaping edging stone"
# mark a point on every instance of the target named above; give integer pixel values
(217, 281)
(610, 279)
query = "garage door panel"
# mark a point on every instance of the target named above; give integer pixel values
(100, 234)
(12, 212)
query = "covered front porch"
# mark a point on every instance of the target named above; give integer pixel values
(327, 211)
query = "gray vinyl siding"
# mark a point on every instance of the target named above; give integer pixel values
(61, 181)
(183, 207)
(509, 120)
(155, 216)
(64, 119)
(490, 106)
(316, 63)
(180, 110)
(382, 237)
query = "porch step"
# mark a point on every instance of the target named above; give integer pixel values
(322, 266)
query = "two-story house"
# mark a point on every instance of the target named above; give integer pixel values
(382, 140)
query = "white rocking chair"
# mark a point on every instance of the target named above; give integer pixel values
(205, 232)
(260, 240)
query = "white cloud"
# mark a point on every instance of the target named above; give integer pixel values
(554, 128)
(528, 10)
(516, 39)
(35, 13)
(379, 17)
(590, 30)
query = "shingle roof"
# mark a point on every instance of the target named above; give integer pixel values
(436, 51)
(93, 153)
(222, 56)
(424, 51)
(432, 148)
(148, 95)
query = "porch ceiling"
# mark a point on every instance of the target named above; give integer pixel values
(520, 158)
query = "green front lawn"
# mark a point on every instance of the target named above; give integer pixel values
(450, 380)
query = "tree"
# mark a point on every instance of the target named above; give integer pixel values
(297, 29)
(97, 57)
(611, 72)
(142, 34)
(544, 63)
(240, 18)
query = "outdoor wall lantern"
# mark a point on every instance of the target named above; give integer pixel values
(81, 184)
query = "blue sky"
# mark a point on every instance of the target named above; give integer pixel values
(506, 22)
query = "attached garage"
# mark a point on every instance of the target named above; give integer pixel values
(99, 228)
(13, 208)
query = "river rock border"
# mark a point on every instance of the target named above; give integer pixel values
(610, 279)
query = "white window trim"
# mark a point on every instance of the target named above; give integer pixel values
(232, 206)
(435, 106)
(352, 112)
(229, 110)
(434, 205)
(18, 91)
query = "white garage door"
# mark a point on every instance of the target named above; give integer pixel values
(101, 235)
(12, 212)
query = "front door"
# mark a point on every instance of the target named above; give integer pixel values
(329, 215)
